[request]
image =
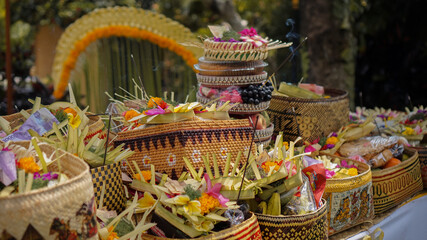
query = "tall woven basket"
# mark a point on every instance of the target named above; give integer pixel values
(394, 185)
(309, 118)
(422, 155)
(349, 200)
(165, 145)
(64, 211)
(307, 226)
(109, 176)
(247, 230)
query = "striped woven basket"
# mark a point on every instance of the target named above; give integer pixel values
(307, 226)
(394, 185)
(242, 108)
(247, 230)
(96, 125)
(165, 145)
(64, 211)
(349, 200)
(114, 194)
(422, 155)
(309, 118)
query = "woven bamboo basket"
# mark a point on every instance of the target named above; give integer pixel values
(422, 155)
(165, 145)
(114, 194)
(233, 51)
(306, 226)
(64, 211)
(96, 125)
(227, 81)
(247, 230)
(242, 108)
(309, 118)
(264, 134)
(349, 200)
(394, 185)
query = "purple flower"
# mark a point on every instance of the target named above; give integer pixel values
(36, 175)
(46, 177)
(309, 149)
(344, 164)
(329, 146)
(334, 134)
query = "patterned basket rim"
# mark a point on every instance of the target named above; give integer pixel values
(46, 190)
(264, 134)
(241, 108)
(377, 175)
(336, 95)
(177, 127)
(303, 216)
(221, 81)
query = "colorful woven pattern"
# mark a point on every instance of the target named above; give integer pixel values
(165, 145)
(422, 155)
(394, 185)
(349, 200)
(309, 118)
(114, 196)
(308, 226)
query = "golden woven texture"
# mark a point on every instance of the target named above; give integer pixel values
(350, 200)
(114, 194)
(45, 213)
(422, 155)
(226, 81)
(238, 51)
(247, 230)
(306, 226)
(394, 185)
(118, 16)
(309, 118)
(241, 108)
(165, 145)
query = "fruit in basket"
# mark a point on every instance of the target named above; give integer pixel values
(392, 162)
(261, 124)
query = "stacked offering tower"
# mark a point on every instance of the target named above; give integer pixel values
(232, 69)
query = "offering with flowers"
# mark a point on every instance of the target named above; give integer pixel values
(187, 207)
(25, 169)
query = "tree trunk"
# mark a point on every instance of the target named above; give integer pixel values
(227, 11)
(330, 44)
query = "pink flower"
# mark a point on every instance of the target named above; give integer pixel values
(154, 111)
(214, 191)
(309, 149)
(329, 173)
(344, 164)
(248, 32)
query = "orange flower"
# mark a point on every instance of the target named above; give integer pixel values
(131, 114)
(70, 110)
(145, 174)
(156, 101)
(28, 164)
(208, 203)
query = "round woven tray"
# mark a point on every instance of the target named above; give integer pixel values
(234, 51)
(241, 108)
(264, 134)
(226, 81)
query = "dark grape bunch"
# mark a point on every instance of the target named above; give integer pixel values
(256, 93)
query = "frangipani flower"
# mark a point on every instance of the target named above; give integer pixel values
(74, 121)
(190, 207)
(147, 201)
(205, 226)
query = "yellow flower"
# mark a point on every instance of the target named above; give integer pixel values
(28, 164)
(352, 172)
(268, 164)
(286, 144)
(332, 140)
(112, 235)
(208, 203)
(408, 131)
(205, 226)
(147, 201)
(190, 207)
(74, 121)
